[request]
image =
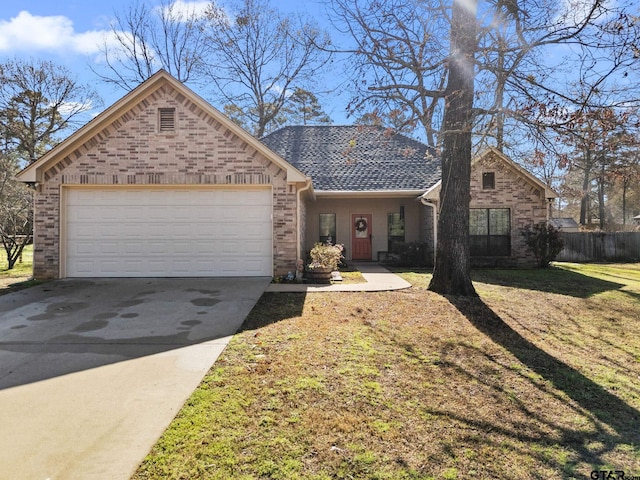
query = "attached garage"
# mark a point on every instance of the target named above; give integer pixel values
(161, 184)
(166, 231)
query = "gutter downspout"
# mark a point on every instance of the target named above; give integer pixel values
(299, 217)
(429, 203)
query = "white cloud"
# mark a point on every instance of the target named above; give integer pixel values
(575, 12)
(185, 9)
(75, 107)
(27, 32)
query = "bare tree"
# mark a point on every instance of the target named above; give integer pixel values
(38, 101)
(146, 39)
(257, 57)
(399, 53)
(396, 121)
(16, 212)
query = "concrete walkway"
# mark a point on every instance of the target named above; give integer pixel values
(378, 278)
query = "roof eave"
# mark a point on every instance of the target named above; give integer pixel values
(433, 193)
(35, 171)
(368, 193)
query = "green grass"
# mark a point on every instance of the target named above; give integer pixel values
(20, 276)
(21, 268)
(625, 274)
(537, 380)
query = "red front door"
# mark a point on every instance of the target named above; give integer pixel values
(361, 236)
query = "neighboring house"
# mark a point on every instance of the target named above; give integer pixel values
(566, 224)
(163, 184)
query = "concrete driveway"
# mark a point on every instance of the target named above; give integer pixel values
(92, 371)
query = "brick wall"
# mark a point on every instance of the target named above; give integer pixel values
(525, 199)
(131, 151)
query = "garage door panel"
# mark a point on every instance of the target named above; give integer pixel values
(98, 249)
(185, 248)
(133, 248)
(90, 231)
(169, 231)
(134, 213)
(208, 249)
(256, 248)
(251, 266)
(84, 267)
(242, 213)
(156, 213)
(109, 267)
(84, 248)
(253, 231)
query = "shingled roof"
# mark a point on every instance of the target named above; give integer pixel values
(356, 158)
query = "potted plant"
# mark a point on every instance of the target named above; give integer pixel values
(324, 259)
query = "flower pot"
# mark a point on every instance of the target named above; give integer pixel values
(318, 275)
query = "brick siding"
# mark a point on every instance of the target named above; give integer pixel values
(525, 199)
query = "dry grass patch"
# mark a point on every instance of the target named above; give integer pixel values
(351, 277)
(528, 383)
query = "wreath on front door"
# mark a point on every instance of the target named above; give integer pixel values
(361, 225)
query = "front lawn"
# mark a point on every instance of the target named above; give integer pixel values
(538, 380)
(20, 275)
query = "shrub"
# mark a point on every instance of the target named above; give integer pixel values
(544, 241)
(325, 255)
(411, 254)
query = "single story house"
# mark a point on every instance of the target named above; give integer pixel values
(163, 184)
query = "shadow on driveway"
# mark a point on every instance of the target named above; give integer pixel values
(66, 326)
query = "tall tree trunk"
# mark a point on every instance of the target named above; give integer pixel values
(601, 211)
(500, 84)
(584, 201)
(13, 246)
(625, 184)
(452, 272)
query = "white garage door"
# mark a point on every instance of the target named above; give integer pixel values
(167, 232)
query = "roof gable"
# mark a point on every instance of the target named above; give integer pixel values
(434, 192)
(100, 124)
(357, 158)
(549, 193)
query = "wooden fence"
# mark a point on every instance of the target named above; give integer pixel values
(600, 247)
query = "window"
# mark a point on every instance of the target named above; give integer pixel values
(166, 119)
(395, 229)
(490, 232)
(488, 181)
(328, 227)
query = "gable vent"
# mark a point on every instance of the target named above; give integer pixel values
(167, 119)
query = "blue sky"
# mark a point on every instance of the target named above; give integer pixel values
(68, 33)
